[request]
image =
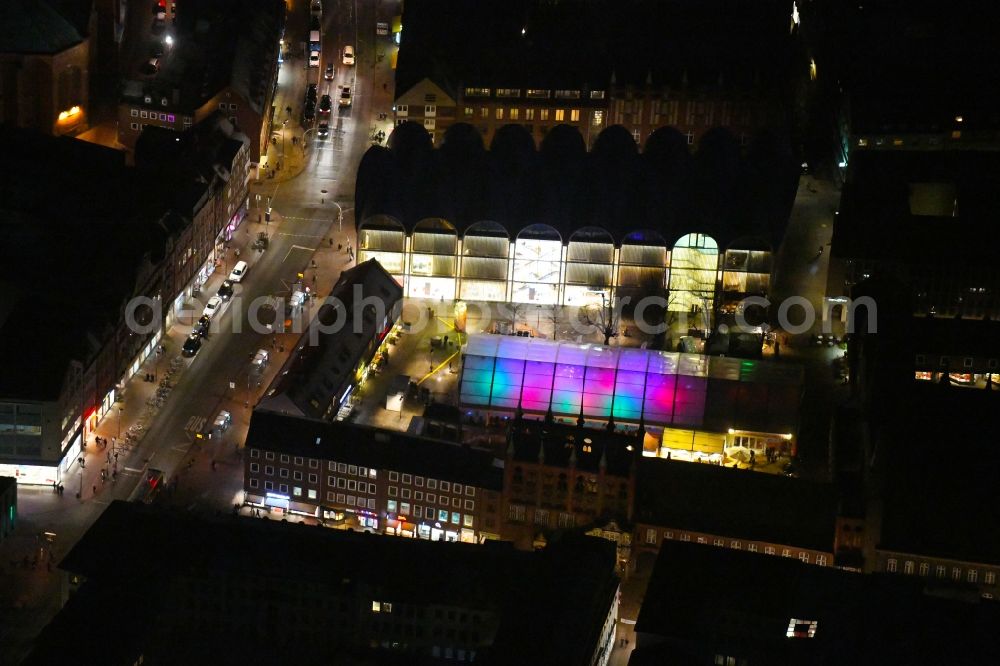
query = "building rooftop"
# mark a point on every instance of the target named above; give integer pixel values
(658, 387)
(779, 610)
(217, 43)
(38, 26)
(939, 495)
(325, 360)
(735, 503)
(585, 44)
(52, 270)
(560, 445)
(921, 199)
(549, 605)
(371, 447)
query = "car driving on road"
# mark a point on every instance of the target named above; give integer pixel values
(328, 75)
(348, 55)
(203, 326)
(226, 290)
(345, 97)
(325, 105)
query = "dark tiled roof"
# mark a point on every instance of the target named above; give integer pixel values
(560, 441)
(33, 26)
(701, 598)
(550, 604)
(370, 447)
(736, 503)
(75, 225)
(941, 480)
(569, 45)
(875, 219)
(324, 362)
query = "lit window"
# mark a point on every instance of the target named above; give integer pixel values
(394, 476)
(574, 115)
(908, 567)
(529, 114)
(500, 113)
(515, 114)
(560, 115)
(376, 607)
(391, 506)
(543, 114)
(924, 568)
(650, 536)
(801, 628)
(599, 117)
(891, 565)
(990, 578)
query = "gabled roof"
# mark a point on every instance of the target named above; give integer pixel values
(323, 363)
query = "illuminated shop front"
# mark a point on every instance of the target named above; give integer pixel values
(745, 273)
(694, 263)
(383, 238)
(538, 260)
(677, 390)
(590, 259)
(642, 264)
(486, 254)
(433, 260)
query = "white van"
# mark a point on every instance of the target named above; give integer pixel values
(239, 270)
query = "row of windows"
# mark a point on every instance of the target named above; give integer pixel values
(432, 484)
(432, 498)
(223, 106)
(735, 544)
(283, 488)
(429, 513)
(517, 513)
(534, 93)
(940, 571)
(559, 115)
(153, 115)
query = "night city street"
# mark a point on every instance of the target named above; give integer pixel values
(589, 332)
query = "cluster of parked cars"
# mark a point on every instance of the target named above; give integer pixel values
(203, 325)
(309, 107)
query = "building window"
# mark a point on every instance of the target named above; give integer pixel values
(469, 111)
(372, 474)
(637, 135)
(254, 453)
(535, 93)
(560, 115)
(312, 494)
(391, 506)
(283, 488)
(284, 458)
(269, 455)
(702, 540)
(596, 94)
(342, 468)
(470, 505)
(956, 574)
(514, 512)
(650, 535)
(134, 126)
(908, 567)
(402, 110)
(445, 486)
(135, 113)
(352, 484)
(543, 114)
(254, 467)
(456, 518)
(477, 92)
(407, 478)
(268, 470)
(668, 535)
(821, 560)
(467, 520)
(785, 552)
(690, 137)
(393, 491)
(508, 92)
(430, 110)
(405, 494)
(769, 550)
(313, 478)
(341, 498)
(313, 464)
(890, 566)
(990, 578)
(939, 571)
(330, 497)
(432, 498)
(470, 491)
(925, 569)
(352, 470)
(394, 476)
(718, 542)
(253, 483)
(297, 491)
(574, 115)
(418, 495)
(297, 475)
(298, 460)
(404, 508)
(804, 557)
(752, 548)
(283, 473)
(342, 483)
(973, 575)
(529, 114)
(144, 114)
(515, 114)
(499, 113)
(443, 515)
(268, 485)
(735, 545)
(685, 536)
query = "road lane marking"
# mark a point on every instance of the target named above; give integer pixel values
(297, 247)
(195, 424)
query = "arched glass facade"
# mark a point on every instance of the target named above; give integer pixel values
(746, 271)
(538, 267)
(486, 253)
(694, 264)
(383, 238)
(590, 264)
(538, 262)
(433, 260)
(642, 264)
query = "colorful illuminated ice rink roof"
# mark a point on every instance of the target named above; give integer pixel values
(666, 388)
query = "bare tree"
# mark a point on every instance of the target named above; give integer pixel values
(605, 317)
